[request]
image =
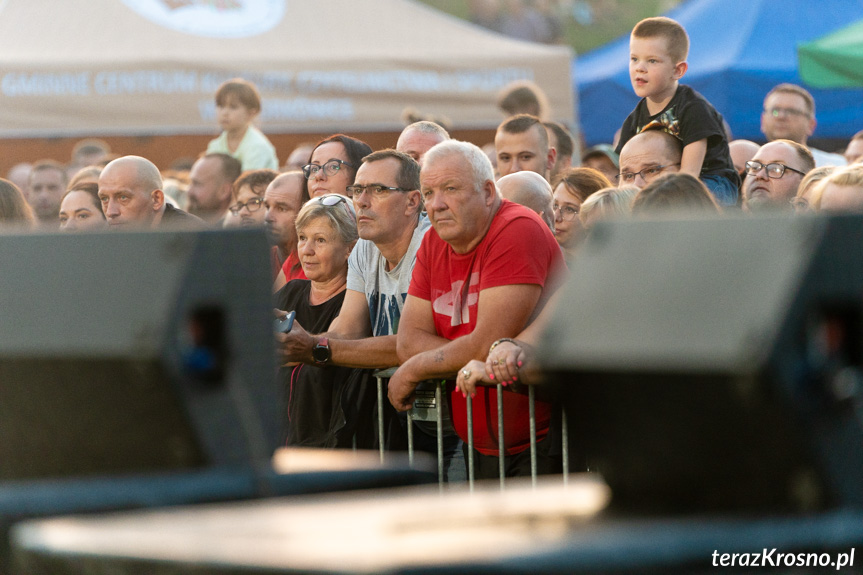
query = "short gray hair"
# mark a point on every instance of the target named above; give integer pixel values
(343, 221)
(480, 165)
(428, 127)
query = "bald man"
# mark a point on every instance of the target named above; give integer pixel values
(530, 190)
(648, 155)
(741, 152)
(130, 189)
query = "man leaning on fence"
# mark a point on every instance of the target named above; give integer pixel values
(482, 273)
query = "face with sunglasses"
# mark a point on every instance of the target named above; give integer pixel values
(329, 170)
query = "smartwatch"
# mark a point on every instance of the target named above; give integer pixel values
(321, 352)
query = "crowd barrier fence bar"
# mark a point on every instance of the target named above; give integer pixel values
(501, 450)
(425, 412)
(470, 473)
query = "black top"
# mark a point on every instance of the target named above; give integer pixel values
(689, 117)
(176, 219)
(325, 406)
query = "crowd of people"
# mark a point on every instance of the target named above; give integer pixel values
(440, 257)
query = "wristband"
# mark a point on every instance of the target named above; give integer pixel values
(500, 341)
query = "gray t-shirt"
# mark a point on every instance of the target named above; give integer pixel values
(386, 291)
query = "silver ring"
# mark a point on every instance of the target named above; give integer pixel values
(466, 373)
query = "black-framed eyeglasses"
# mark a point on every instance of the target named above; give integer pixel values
(252, 205)
(567, 213)
(646, 174)
(776, 112)
(774, 170)
(331, 168)
(374, 190)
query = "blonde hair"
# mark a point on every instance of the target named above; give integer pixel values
(850, 176)
(607, 203)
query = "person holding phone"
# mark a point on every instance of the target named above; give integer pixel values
(326, 405)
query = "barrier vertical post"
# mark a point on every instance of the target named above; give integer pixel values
(438, 397)
(564, 445)
(381, 415)
(501, 450)
(531, 406)
(410, 439)
(470, 473)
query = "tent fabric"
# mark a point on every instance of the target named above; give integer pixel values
(128, 67)
(739, 50)
(834, 61)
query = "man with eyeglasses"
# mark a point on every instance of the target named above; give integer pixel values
(391, 227)
(774, 173)
(646, 156)
(789, 114)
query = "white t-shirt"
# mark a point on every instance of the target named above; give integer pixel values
(385, 291)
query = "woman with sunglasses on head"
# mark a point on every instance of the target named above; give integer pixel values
(333, 164)
(248, 198)
(326, 405)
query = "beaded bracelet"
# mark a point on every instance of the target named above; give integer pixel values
(500, 341)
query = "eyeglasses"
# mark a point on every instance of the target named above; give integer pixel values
(330, 168)
(647, 174)
(567, 213)
(375, 190)
(776, 112)
(774, 170)
(252, 205)
(800, 204)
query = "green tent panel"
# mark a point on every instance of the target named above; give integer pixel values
(835, 60)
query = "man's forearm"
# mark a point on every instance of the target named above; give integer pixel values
(368, 352)
(418, 341)
(446, 360)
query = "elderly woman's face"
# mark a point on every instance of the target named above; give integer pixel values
(322, 252)
(323, 182)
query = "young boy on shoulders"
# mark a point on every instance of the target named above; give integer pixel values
(658, 48)
(237, 105)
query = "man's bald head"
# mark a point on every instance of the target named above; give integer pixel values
(741, 152)
(530, 190)
(647, 151)
(130, 189)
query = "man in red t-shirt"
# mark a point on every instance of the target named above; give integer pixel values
(481, 274)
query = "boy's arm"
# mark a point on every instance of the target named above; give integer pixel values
(693, 157)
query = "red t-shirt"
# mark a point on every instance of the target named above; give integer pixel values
(292, 268)
(518, 248)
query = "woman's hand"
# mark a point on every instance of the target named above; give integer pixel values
(469, 376)
(504, 361)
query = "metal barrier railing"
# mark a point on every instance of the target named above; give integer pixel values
(426, 408)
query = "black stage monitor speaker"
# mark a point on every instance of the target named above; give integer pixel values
(716, 365)
(130, 353)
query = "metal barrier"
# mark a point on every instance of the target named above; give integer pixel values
(426, 409)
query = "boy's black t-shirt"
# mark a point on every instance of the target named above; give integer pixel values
(689, 117)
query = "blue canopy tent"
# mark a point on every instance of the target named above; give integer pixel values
(740, 49)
